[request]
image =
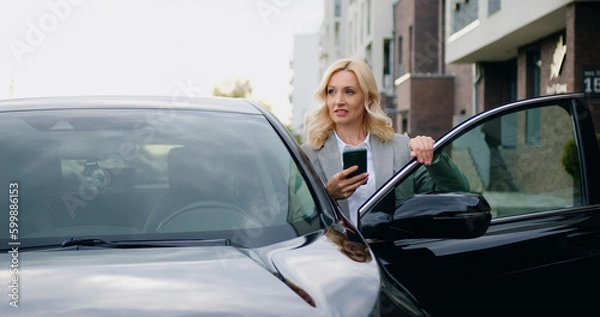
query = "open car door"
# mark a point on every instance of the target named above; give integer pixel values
(536, 164)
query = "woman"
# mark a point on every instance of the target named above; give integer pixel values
(348, 242)
(348, 116)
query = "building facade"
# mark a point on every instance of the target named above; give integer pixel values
(360, 29)
(425, 87)
(438, 62)
(524, 49)
(305, 78)
(403, 43)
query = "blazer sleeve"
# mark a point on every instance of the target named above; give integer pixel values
(442, 175)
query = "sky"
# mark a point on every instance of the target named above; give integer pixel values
(154, 47)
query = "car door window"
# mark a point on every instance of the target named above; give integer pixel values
(514, 174)
(521, 162)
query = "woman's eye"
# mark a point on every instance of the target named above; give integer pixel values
(330, 91)
(350, 92)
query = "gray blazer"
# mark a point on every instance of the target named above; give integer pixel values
(389, 158)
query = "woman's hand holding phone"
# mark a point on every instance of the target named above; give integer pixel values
(343, 184)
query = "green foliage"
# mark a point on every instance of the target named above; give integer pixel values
(296, 136)
(570, 159)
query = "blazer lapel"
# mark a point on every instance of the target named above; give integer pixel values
(383, 159)
(329, 158)
(331, 163)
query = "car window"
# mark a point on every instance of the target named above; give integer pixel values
(521, 162)
(131, 174)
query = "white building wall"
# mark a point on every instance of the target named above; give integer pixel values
(364, 25)
(306, 77)
(497, 36)
(332, 37)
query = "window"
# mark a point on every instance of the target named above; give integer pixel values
(519, 179)
(532, 133)
(464, 12)
(369, 54)
(368, 17)
(410, 49)
(352, 38)
(386, 57)
(493, 6)
(534, 82)
(534, 73)
(400, 67)
(508, 131)
(361, 24)
(134, 172)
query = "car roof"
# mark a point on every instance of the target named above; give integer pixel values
(220, 104)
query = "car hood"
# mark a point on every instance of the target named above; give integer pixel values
(307, 276)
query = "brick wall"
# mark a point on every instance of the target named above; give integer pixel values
(583, 29)
(404, 14)
(496, 81)
(421, 50)
(427, 42)
(432, 100)
(463, 87)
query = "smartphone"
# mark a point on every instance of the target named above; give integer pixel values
(355, 157)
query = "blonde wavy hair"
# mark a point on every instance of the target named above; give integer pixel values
(338, 239)
(318, 123)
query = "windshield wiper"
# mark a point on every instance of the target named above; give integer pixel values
(99, 242)
(124, 244)
(88, 242)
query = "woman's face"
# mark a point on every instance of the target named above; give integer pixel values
(345, 99)
(355, 251)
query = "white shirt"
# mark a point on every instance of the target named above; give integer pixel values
(363, 192)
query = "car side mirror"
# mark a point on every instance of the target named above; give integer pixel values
(448, 215)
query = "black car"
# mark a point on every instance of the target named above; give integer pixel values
(123, 206)
(537, 164)
(131, 206)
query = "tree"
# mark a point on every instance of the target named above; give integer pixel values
(570, 158)
(238, 88)
(265, 104)
(241, 88)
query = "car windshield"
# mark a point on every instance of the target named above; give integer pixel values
(140, 174)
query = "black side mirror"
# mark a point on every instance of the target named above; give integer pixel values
(434, 215)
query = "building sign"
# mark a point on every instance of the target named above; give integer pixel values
(556, 89)
(591, 81)
(557, 62)
(558, 58)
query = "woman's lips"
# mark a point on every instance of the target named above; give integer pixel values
(340, 112)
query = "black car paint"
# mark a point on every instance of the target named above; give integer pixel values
(195, 280)
(545, 263)
(429, 215)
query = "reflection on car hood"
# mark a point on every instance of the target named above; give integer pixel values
(193, 281)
